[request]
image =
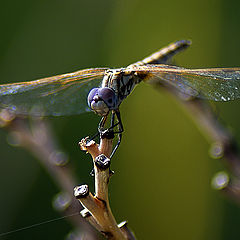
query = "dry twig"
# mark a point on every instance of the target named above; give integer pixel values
(97, 209)
(223, 144)
(36, 137)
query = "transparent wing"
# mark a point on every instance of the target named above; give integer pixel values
(218, 84)
(58, 95)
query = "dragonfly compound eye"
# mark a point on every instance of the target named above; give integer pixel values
(108, 96)
(101, 100)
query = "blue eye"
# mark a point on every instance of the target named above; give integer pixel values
(105, 95)
(91, 95)
(108, 96)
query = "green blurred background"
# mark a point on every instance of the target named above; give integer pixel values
(163, 168)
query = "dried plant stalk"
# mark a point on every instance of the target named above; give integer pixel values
(97, 208)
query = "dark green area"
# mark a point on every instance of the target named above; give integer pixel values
(163, 169)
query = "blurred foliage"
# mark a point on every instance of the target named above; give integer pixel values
(163, 170)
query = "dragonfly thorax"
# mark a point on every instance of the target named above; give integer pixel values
(117, 84)
(122, 81)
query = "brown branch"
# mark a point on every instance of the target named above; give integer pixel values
(223, 144)
(97, 208)
(35, 136)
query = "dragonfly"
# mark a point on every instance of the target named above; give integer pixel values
(102, 90)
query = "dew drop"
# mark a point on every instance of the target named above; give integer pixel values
(220, 180)
(59, 158)
(61, 201)
(216, 150)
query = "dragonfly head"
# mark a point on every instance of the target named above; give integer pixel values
(102, 100)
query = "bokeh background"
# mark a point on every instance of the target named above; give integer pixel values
(162, 184)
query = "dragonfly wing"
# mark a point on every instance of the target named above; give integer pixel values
(55, 96)
(218, 84)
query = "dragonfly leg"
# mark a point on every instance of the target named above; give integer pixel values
(102, 123)
(109, 132)
(100, 127)
(105, 133)
(119, 132)
(99, 133)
